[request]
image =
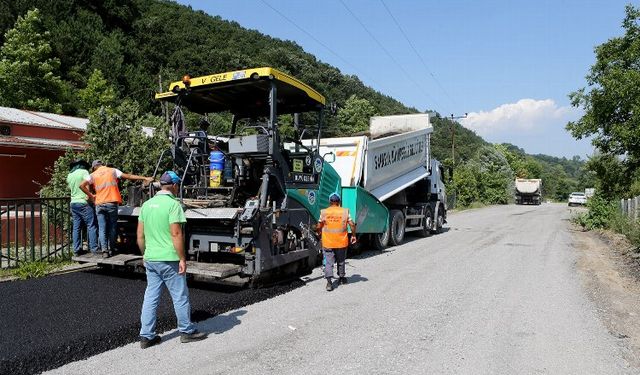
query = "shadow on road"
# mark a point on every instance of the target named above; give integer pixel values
(222, 323)
(356, 278)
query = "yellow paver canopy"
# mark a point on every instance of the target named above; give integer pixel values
(244, 93)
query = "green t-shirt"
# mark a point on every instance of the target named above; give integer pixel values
(157, 214)
(74, 179)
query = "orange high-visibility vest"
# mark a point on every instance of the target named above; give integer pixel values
(334, 231)
(106, 185)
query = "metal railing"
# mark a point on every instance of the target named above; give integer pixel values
(34, 229)
(630, 207)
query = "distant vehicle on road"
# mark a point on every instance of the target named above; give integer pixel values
(528, 191)
(577, 198)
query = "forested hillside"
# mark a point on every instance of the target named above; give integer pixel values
(136, 43)
(84, 55)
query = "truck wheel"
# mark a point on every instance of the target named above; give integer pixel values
(427, 223)
(397, 227)
(379, 241)
(439, 222)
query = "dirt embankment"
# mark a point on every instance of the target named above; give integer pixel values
(610, 269)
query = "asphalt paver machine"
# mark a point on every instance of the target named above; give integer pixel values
(250, 196)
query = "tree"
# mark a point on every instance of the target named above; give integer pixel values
(117, 136)
(495, 178)
(354, 116)
(612, 99)
(28, 69)
(465, 185)
(98, 93)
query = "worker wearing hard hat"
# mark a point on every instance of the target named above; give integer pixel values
(332, 228)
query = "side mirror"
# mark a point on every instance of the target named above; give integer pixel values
(329, 157)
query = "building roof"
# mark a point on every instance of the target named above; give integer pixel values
(45, 143)
(42, 119)
(46, 120)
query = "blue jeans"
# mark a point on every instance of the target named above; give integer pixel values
(83, 213)
(108, 225)
(159, 273)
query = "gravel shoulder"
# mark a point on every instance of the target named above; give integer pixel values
(612, 280)
(500, 292)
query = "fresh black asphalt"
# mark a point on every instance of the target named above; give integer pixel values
(46, 323)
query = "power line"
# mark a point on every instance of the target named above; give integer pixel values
(424, 92)
(319, 42)
(424, 64)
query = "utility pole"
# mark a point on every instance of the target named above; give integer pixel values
(453, 137)
(164, 105)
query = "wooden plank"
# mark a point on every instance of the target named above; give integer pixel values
(119, 259)
(219, 270)
(87, 258)
(116, 260)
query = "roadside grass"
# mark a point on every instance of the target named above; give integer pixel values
(470, 207)
(605, 215)
(628, 227)
(35, 269)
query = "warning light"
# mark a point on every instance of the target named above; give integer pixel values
(186, 79)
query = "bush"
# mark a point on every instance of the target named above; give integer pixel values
(631, 229)
(600, 215)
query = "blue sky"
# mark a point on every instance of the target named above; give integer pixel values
(509, 64)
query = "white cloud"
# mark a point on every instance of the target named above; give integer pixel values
(524, 116)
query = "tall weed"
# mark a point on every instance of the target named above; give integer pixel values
(601, 213)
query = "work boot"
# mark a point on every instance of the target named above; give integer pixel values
(147, 343)
(106, 254)
(193, 336)
(342, 280)
(329, 286)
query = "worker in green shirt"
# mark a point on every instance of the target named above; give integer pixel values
(82, 210)
(161, 241)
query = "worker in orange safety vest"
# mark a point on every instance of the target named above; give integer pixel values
(332, 228)
(107, 198)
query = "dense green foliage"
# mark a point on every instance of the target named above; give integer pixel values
(600, 214)
(137, 43)
(354, 116)
(98, 93)
(487, 178)
(28, 68)
(116, 136)
(611, 103)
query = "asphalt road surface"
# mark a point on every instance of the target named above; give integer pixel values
(46, 323)
(497, 293)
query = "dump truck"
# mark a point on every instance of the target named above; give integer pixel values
(389, 173)
(528, 191)
(251, 205)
